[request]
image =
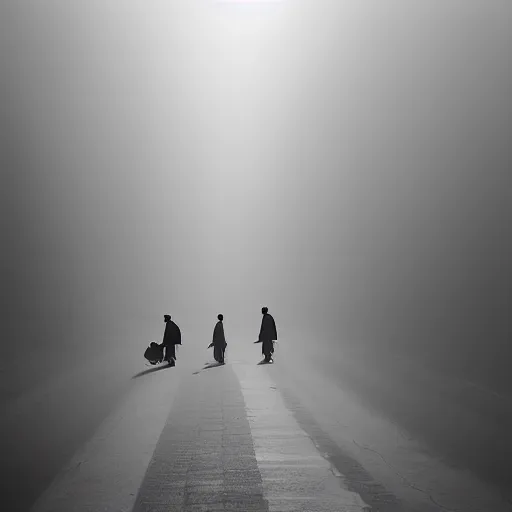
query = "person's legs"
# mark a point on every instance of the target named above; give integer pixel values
(170, 354)
(267, 349)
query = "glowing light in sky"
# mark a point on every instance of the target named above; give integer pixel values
(248, 1)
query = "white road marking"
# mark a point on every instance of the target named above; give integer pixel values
(295, 475)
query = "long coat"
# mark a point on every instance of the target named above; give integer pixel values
(218, 335)
(172, 334)
(268, 329)
(219, 341)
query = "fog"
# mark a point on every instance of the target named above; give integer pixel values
(344, 163)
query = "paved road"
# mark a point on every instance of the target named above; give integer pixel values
(243, 436)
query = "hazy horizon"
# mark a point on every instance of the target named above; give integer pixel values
(345, 164)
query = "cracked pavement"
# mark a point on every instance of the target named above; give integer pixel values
(280, 438)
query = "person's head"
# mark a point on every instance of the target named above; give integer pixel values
(220, 317)
(167, 318)
(264, 310)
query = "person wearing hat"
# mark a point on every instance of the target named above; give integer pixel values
(219, 341)
(268, 333)
(172, 337)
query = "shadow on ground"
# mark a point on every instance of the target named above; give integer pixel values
(208, 366)
(151, 370)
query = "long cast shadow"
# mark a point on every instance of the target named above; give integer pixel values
(208, 366)
(151, 370)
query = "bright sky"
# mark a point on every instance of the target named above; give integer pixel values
(188, 155)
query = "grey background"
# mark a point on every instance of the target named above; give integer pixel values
(346, 164)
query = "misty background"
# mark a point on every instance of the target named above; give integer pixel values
(346, 164)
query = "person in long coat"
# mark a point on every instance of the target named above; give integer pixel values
(219, 341)
(172, 337)
(268, 334)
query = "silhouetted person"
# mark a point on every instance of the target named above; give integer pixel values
(172, 337)
(219, 341)
(268, 333)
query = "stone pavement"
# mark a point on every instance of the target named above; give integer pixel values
(219, 439)
(204, 460)
(296, 475)
(243, 436)
(222, 437)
